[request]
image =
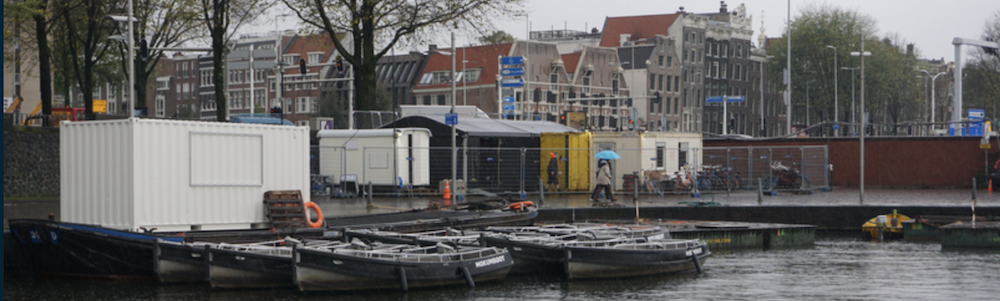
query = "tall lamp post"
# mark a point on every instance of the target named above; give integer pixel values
(808, 124)
(836, 112)
(854, 130)
(763, 127)
(933, 77)
(862, 54)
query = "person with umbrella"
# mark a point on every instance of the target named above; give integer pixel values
(604, 175)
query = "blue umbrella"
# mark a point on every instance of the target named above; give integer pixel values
(607, 155)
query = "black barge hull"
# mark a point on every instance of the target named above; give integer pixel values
(325, 271)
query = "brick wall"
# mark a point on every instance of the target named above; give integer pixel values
(896, 161)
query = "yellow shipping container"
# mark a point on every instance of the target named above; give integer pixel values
(574, 155)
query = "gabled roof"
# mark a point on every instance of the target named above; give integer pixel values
(640, 27)
(571, 60)
(483, 57)
(303, 45)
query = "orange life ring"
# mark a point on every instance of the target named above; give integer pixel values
(524, 204)
(319, 215)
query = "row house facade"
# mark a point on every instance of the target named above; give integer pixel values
(706, 55)
(185, 87)
(589, 81)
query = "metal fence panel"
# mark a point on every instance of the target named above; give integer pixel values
(525, 170)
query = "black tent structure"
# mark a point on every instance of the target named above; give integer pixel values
(501, 155)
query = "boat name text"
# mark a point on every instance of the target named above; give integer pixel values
(490, 261)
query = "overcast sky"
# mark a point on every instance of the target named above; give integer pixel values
(930, 24)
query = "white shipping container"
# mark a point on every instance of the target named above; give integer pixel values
(381, 156)
(172, 175)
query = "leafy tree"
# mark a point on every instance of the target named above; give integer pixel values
(495, 38)
(981, 84)
(40, 18)
(376, 26)
(889, 73)
(86, 36)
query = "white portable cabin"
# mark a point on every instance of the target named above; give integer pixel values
(384, 157)
(639, 151)
(177, 175)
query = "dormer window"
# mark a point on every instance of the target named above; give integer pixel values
(290, 59)
(315, 57)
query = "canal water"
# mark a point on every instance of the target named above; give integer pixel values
(839, 267)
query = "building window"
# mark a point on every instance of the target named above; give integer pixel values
(586, 84)
(303, 104)
(471, 75)
(291, 59)
(652, 81)
(660, 149)
(614, 87)
(660, 60)
(554, 79)
(669, 78)
(670, 61)
(660, 83)
(441, 100)
(439, 77)
(315, 57)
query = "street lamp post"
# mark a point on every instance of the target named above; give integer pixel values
(933, 77)
(853, 108)
(862, 54)
(836, 112)
(808, 124)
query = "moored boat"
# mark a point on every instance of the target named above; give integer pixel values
(599, 252)
(883, 227)
(360, 265)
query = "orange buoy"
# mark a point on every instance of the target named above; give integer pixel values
(319, 215)
(522, 205)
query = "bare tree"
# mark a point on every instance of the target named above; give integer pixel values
(223, 18)
(162, 23)
(376, 26)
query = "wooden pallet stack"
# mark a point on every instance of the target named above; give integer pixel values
(285, 209)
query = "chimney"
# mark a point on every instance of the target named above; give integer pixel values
(623, 39)
(722, 7)
(432, 48)
(594, 30)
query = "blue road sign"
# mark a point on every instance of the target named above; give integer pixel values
(719, 99)
(512, 83)
(508, 99)
(451, 118)
(977, 114)
(512, 60)
(836, 126)
(512, 71)
(508, 107)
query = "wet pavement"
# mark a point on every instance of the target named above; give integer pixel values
(40, 208)
(836, 197)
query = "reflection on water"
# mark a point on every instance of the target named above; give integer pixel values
(836, 268)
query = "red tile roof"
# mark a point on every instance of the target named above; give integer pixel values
(484, 57)
(571, 60)
(640, 27)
